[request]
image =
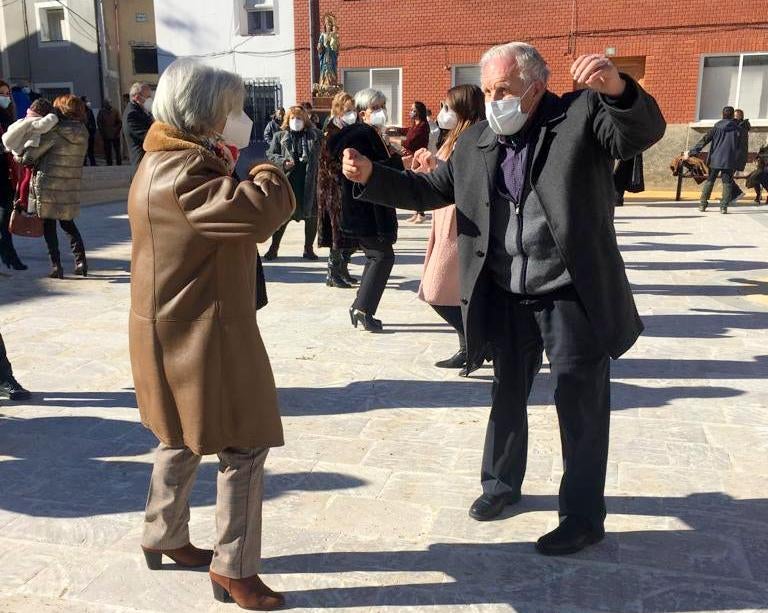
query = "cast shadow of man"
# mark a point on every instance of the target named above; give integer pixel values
(70, 466)
(713, 557)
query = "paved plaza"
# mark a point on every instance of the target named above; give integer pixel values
(366, 505)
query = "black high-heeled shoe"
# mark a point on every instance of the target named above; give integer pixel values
(370, 323)
(81, 269)
(57, 272)
(11, 260)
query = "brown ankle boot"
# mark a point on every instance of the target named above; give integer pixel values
(188, 556)
(248, 593)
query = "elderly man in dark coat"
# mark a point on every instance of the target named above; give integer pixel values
(725, 140)
(137, 119)
(539, 263)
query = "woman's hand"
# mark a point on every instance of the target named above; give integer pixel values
(267, 182)
(289, 164)
(424, 161)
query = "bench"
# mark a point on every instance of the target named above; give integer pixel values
(684, 173)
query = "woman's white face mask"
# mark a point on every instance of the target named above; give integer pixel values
(296, 124)
(447, 119)
(349, 118)
(237, 130)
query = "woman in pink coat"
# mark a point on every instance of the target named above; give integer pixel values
(464, 106)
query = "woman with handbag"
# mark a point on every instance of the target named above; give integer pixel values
(8, 254)
(55, 190)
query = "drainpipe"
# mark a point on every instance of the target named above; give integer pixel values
(30, 78)
(314, 33)
(101, 50)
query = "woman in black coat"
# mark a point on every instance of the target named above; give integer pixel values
(8, 254)
(373, 225)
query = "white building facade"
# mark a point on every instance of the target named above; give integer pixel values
(254, 38)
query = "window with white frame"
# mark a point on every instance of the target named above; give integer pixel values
(260, 17)
(52, 23)
(51, 91)
(466, 75)
(738, 80)
(387, 80)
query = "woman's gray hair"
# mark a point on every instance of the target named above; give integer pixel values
(366, 98)
(196, 98)
(529, 62)
(136, 89)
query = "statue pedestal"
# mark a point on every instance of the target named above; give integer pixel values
(322, 103)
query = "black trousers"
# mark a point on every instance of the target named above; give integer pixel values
(110, 145)
(310, 232)
(452, 315)
(580, 369)
(730, 189)
(380, 257)
(7, 250)
(52, 240)
(5, 366)
(90, 155)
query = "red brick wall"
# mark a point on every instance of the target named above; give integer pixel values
(426, 37)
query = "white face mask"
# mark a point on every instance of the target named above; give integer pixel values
(378, 118)
(237, 130)
(505, 117)
(5, 102)
(349, 118)
(297, 125)
(447, 119)
(147, 104)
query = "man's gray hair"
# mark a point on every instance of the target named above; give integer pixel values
(196, 98)
(136, 89)
(529, 62)
(367, 98)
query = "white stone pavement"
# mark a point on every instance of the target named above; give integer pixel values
(366, 505)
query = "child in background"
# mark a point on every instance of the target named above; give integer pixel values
(24, 134)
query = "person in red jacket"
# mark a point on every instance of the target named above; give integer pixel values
(417, 138)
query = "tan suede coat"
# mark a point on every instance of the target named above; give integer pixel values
(200, 369)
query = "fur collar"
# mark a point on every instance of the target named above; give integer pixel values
(162, 137)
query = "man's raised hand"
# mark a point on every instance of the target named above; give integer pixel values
(356, 167)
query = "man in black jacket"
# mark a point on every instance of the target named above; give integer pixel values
(539, 263)
(726, 139)
(137, 118)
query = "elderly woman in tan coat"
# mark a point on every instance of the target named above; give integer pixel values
(203, 379)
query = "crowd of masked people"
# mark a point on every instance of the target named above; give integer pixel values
(45, 144)
(522, 259)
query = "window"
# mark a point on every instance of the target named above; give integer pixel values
(51, 91)
(144, 60)
(52, 23)
(386, 80)
(469, 75)
(740, 81)
(260, 16)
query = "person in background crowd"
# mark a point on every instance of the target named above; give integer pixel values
(9, 387)
(726, 140)
(110, 126)
(55, 192)
(8, 255)
(758, 178)
(21, 95)
(374, 226)
(464, 107)
(137, 118)
(329, 196)
(203, 380)
(274, 125)
(416, 138)
(125, 100)
(313, 117)
(434, 132)
(90, 124)
(296, 151)
(539, 264)
(741, 163)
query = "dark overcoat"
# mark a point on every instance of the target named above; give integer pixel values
(725, 140)
(581, 134)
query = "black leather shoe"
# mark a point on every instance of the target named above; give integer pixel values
(571, 536)
(488, 506)
(11, 389)
(270, 255)
(457, 360)
(310, 255)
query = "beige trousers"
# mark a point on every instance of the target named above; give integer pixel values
(239, 493)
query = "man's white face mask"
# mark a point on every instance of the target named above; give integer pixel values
(505, 117)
